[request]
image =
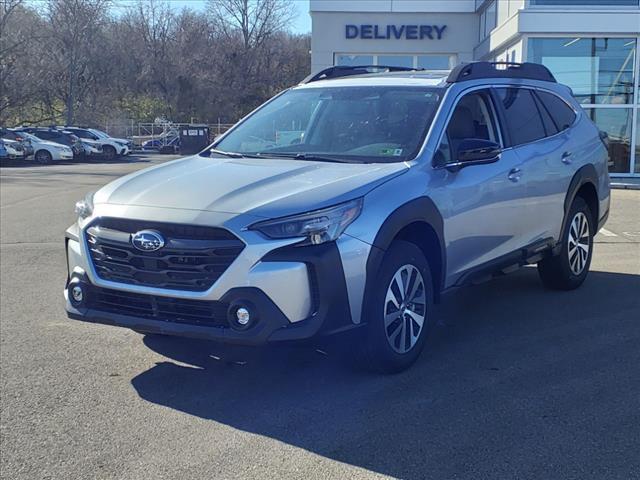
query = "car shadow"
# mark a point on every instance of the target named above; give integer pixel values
(516, 382)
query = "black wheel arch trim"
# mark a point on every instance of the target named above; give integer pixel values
(419, 210)
(585, 175)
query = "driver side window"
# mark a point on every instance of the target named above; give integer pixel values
(472, 118)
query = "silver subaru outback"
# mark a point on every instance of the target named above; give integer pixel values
(349, 203)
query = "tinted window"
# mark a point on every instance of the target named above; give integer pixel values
(549, 125)
(522, 116)
(85, 134)
(44, 135)
(563, 116)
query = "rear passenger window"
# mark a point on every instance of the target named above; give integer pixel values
(549, 124)
(522, 116)
(562, 115)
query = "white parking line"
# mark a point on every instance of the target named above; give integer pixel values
(607, 233)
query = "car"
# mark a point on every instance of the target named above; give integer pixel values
(16, 137)
(13, 150)
(60, 137)
(111, 147)
(348, 205)
(45, 151)
(3, 151)
(163, 144)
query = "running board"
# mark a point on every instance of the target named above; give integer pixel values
(508, 263)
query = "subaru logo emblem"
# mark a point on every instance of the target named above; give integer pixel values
(147, 240)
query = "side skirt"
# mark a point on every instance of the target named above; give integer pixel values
(505, 264)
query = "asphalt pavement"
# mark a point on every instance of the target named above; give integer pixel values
(518, 382)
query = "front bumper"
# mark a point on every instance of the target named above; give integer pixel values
(296, 293)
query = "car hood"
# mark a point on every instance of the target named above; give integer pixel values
(262, 187)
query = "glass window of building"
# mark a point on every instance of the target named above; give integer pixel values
(396, 60)
(434, 62)
(488, 20)
(585, 3)
(599, 70)
(637, 167)
(342, 59)
(616, 122)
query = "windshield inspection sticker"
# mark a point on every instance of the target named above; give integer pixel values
(396, 152)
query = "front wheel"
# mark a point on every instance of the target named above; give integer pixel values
(399, 315)
(43, 157)
(570, 267)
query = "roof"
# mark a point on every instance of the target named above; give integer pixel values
(344, 75)
(435, 78)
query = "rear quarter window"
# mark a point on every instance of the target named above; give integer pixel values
(561, 113)
(522, 117)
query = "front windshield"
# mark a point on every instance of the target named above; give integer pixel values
(98, 133)
(351, 124)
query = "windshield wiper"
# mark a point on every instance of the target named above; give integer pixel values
(305, 156)
(232, 154)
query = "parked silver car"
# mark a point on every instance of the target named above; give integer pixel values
(349, 204)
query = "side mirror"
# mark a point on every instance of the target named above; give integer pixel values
(473, 151)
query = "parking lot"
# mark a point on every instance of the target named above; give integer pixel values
(516, 382)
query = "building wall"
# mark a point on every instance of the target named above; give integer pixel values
(597, 45)
(329, 35)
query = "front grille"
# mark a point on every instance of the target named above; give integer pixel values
(193, 257)
(192, 312)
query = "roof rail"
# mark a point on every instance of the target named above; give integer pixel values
(340, 71)
(478, 70)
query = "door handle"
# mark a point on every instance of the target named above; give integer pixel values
(514, 174)
(566, 158)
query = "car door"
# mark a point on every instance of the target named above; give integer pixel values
(543, 147)
(481, 203)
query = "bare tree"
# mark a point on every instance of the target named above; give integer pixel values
(20, 30)
(153, 25)
(75, 26)
(104, 65)
(254, 20)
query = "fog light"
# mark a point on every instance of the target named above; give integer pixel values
(77, 294)
(242, 316)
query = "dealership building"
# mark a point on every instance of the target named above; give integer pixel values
(590, 45)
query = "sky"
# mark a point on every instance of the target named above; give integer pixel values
(302, 23)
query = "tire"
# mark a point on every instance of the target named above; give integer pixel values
(43, 157)
(109, 153)
(390, 343)
(569, 269)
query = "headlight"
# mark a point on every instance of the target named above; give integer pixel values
(318, 227)
(84, 207)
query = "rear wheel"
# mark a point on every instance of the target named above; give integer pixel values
(398, 318)
(570, 267)
(43, 157)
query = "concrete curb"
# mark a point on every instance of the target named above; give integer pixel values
(625, 186)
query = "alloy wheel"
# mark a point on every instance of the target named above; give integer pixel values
(43, 157)
(579, 244)
(405, 308)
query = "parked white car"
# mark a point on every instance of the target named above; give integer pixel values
(111, 147)
(45, 152)
(13, 150)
